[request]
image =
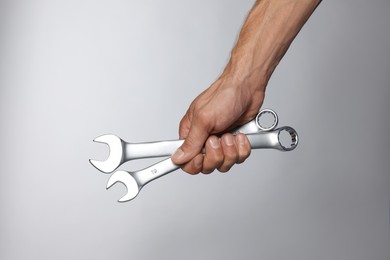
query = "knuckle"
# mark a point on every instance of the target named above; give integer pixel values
(231, 155)
(203, 118)
(189, 142)
(207, 171)
(243, 155)
(244, 148)
(184, 127)
(224, 168)
(202, 115)
(210, 165)
(188, 168)
(218, 160)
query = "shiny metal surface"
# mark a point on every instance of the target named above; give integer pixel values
(134, 181)
(256, 126)
(260, 135)
(121, 151)
(116, 156)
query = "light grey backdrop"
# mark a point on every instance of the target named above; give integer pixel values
(73, 70)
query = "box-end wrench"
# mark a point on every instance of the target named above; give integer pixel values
(121, 151)
(134, 181)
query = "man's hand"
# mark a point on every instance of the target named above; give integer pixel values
(236, 97)
(221, 107)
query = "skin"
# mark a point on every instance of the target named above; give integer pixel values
(237, 95)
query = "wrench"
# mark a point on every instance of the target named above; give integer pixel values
(121, 151)
(134, 181)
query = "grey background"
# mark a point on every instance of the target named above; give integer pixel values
(73, 70)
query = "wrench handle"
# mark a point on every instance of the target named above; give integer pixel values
(155, 171)
(262, 140)
(167, 148)
(151, 149)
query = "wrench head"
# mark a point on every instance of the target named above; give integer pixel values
(115, 159)
(126, 179)
(287, 138)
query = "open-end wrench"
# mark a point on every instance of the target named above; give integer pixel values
(134, 181)
(121, 151)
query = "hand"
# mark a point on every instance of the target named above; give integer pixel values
(238, 94)
(219, 108)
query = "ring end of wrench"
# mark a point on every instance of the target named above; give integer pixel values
(288, 138)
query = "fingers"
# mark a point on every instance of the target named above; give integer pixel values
(192, 146)
(243, 147)
(230, 151)
(220, 153)
(235, 150)
(194, 166)
(195, 137)
(214, 156)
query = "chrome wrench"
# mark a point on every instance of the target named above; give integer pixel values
(134, 181)
(121, 151)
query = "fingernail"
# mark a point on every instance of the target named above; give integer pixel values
(214, 142)
(178, 154)
(229, 139)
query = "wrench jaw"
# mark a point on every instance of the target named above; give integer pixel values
(126, 179)
(116, 156)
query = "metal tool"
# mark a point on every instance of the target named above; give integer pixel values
(134, 181)
(260, 135)
(121, 151)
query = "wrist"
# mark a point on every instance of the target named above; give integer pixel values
(241, 74)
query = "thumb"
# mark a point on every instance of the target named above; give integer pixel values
(192, 145)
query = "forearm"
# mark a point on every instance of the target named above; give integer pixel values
(236, 97)
(267, 33)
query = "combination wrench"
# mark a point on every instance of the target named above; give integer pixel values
(259, 136)
(134, 181)
(121, 151)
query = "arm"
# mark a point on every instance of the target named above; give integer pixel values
(237, 95)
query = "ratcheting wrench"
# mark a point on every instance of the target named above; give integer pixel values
(121, 151)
